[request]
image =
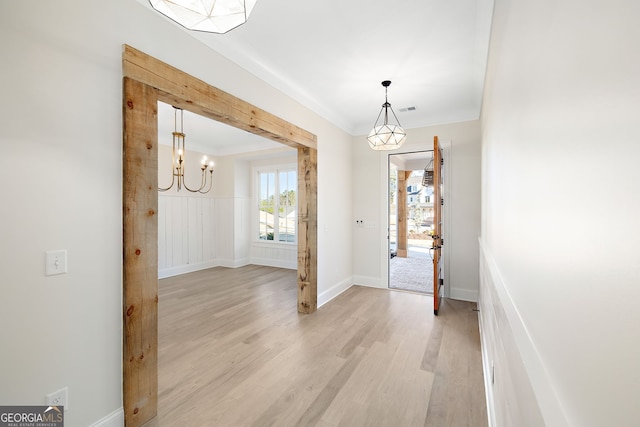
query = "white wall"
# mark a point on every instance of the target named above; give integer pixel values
(461, 142)
(61, 136)
(561, 271)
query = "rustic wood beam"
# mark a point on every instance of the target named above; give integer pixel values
(189, 93)
(307, 229)
(140, 252)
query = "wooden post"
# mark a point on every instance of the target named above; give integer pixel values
(401, 220)
(438, 288)
(307, 230)
(140, 252)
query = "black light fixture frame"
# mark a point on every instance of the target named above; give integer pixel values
(386, 107)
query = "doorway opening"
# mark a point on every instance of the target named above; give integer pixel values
(147, 81)
(411, 221)
(233, 224)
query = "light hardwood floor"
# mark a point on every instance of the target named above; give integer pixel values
(233, 351)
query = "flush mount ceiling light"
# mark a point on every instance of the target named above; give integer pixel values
(212, 16)
(386, 136)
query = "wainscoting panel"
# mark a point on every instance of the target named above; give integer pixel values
(275, 255)
(186, 234)
(513, 390)
(195, 233)
(242, 227)
(223, 224)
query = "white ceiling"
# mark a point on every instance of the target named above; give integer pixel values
(332, 55)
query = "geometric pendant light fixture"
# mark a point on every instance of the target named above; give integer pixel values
(386, 136)
(212, 16)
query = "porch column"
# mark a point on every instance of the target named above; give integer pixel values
(401, 219)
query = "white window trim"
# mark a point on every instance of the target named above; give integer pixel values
(255, 210)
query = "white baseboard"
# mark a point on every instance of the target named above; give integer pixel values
(183, 269)
(334, 291)
(190, 268)
(233, 263)
(229, 263)
(372, 282)
(114, 419)
(278, 263)
(463, 294)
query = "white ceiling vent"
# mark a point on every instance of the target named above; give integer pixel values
(404, 110)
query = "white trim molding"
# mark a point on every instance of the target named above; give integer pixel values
(114, 419)
(188, 268)
(517, 383)
(233, 263)
(275, 262)
(463, 294)
(372, 282)
(334, 291)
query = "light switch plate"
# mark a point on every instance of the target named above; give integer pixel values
(56, 262)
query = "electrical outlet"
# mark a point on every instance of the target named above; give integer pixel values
(59, 398)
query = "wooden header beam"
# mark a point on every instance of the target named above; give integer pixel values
(189, 93)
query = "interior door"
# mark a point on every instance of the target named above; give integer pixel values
(438, 240)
